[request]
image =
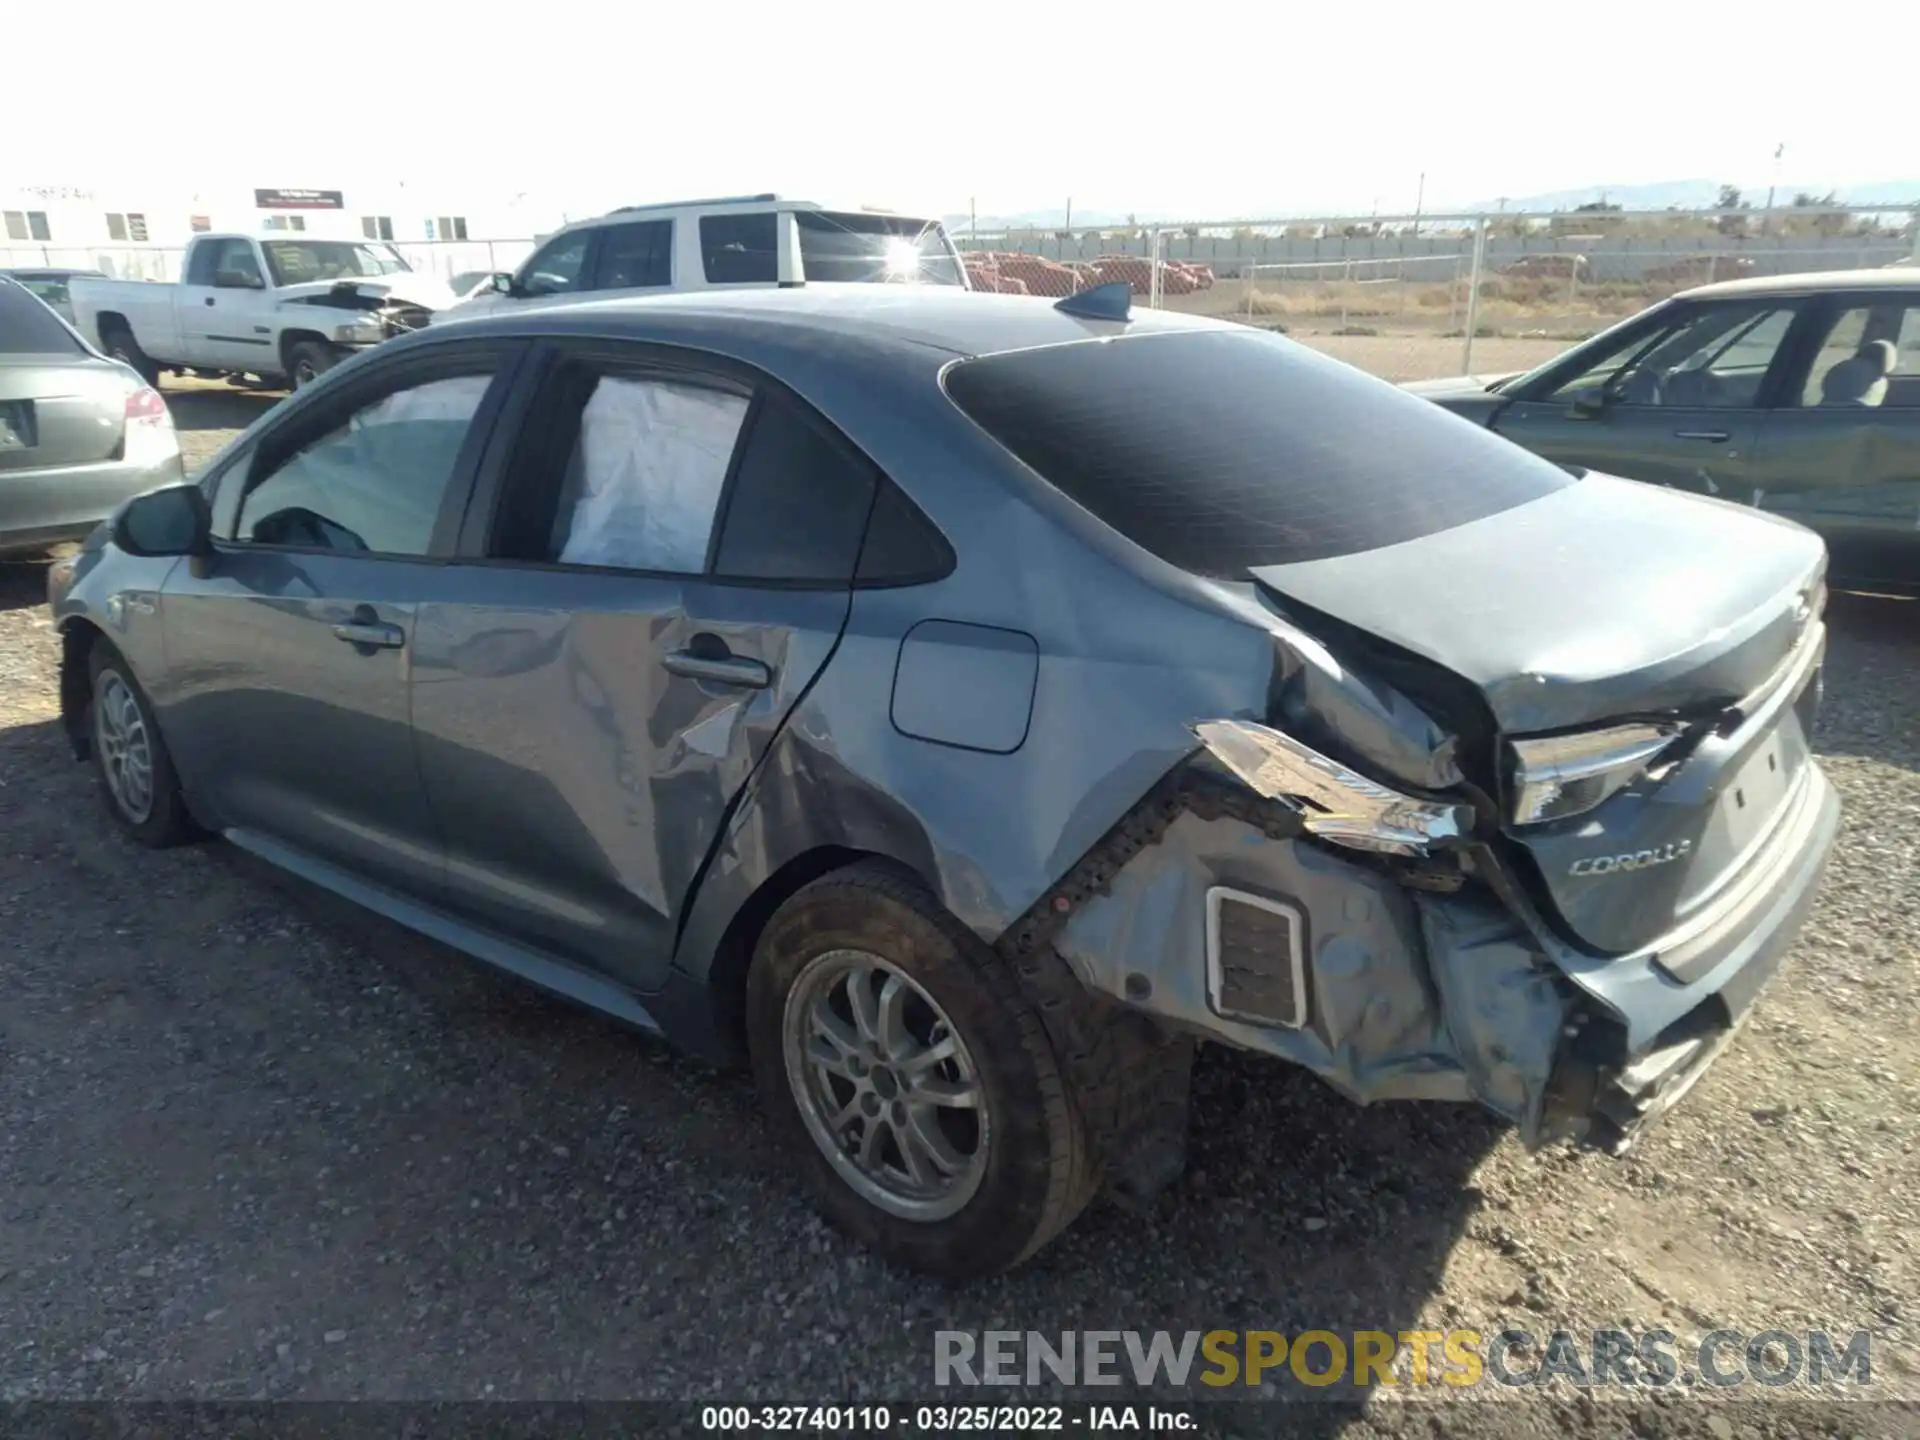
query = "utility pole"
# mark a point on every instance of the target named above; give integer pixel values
(1774, 184)
(1419, 200)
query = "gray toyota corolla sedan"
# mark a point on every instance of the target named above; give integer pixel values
(959, 706)
(79, 433)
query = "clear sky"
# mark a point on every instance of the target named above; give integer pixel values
(1200, 110)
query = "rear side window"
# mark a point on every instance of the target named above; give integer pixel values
(53, 291)
(740, 248)
(645, 478)
(27, 327)
(1221, 451)
(799, 503)
(636, 255)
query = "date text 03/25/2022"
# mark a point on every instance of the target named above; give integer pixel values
(943, 1419)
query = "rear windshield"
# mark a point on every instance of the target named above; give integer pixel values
(1220, 451)
(868, 248)
(28, 327)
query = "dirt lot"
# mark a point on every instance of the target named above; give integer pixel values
(254, 1143)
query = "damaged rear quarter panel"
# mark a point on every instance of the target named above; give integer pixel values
(1130, 655)
(1125, 664)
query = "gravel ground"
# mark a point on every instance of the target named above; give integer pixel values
(257, 1144)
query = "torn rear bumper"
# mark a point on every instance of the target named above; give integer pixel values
(1231, 925)
(1646, 1038)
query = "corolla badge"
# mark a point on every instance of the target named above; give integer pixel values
(1632, 860)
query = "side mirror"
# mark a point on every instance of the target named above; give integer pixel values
(503, 284)
(1590, 406)
(173, 520)
(237, 280)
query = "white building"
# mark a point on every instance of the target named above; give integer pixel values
(134, 232)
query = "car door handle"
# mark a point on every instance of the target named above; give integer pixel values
(1716, 435)
(721, 669)
(375, 633)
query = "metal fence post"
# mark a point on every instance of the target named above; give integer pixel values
(1154, 286)
(1473, 291)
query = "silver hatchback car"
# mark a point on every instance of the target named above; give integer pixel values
(958, 706)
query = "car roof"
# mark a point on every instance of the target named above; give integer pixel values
(907, 317)
(1817, 283)
(737, 204)
(46, 272)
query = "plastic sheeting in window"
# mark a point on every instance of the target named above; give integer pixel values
(654, 457)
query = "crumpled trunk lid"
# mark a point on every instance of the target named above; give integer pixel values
(1604, 599)
(1604, 602)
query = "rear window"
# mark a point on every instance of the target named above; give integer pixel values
(873, 248)
(1221, 451)
(28, 327)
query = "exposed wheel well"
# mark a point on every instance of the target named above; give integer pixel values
(109, 321)
(727, 976)
(77, 639)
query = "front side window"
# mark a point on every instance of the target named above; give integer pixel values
(874, 249)
(558, 268)
(636, 256)
(1869, 356)
(1223, 451)
(231, 264)
(376, 483)
(1713, 356)
(741, 249)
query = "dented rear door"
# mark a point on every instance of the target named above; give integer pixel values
(664, 568)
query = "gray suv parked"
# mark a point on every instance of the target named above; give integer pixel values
(960, 705)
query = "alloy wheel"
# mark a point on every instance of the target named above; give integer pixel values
(126, 751)
(885, 1085)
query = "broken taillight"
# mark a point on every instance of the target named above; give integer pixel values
(1560, 775)
(1337, 804)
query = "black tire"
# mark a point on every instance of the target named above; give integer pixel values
(165, 820)
(1039, 1170)
(120, 345)
(307, 361)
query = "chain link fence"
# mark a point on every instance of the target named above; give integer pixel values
(1405, 296)
(1410, 297)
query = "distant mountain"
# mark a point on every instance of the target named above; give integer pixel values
(1039, 220)
(1699, 195)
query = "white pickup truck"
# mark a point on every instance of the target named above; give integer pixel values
(276, 310)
